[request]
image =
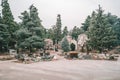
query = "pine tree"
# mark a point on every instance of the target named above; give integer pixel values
(58, 29)
(65, 45)
(114, 21)
(7, 19)
(25, 19)
(4, 37)
(88, 21)
(30, 35)
(65, 31)
(86, 24)
(117, 30)
(101, 36)
(75, 32)
(34, 16)
(6, 13)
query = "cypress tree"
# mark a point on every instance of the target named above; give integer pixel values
(58, 29)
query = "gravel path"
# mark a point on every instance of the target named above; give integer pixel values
(61, 70)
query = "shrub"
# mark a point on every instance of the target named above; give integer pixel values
(65, 45)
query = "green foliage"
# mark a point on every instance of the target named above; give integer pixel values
(100, 33)
(86, 24)
(75, 32)
(34, 16)
(49, 33)
(65, 31)
(89, 20)
(6, 13)
(117, 30)
(22, 34)
(4, 37)
(65, 45)
(57, 29)
(32, 22)
(32, 42)
(31, 34)
(7, 19)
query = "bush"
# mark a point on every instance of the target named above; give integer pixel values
(65, 45)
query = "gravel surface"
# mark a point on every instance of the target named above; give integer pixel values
(61, 70)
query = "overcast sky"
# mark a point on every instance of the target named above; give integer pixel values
(73, 12)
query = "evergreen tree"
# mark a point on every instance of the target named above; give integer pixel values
(86, 24)
(30, 35)
(50, 33)
(54, 34)
(7, 19)
(101, 36)
(58, 29)
(65, 45)
(34, 16)
(6, 13)
(4, 38)
(116, 28)
(25, 19)
(114, 21)
(37, 27)
(75, 32)
(32, 22)
(65, 31)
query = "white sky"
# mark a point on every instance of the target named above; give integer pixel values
(73, 12)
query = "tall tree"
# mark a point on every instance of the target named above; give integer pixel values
(25, 19)
(101, 36)
(4, 38)
(6, 13)
(58, 29)
(116, 28)
(7, 19)
(30, 35)
(32, 22)
(86, 24)
(34, 16)
(75, 32)
(65, 31)
(114, 21)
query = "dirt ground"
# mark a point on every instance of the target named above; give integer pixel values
(61, 70)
